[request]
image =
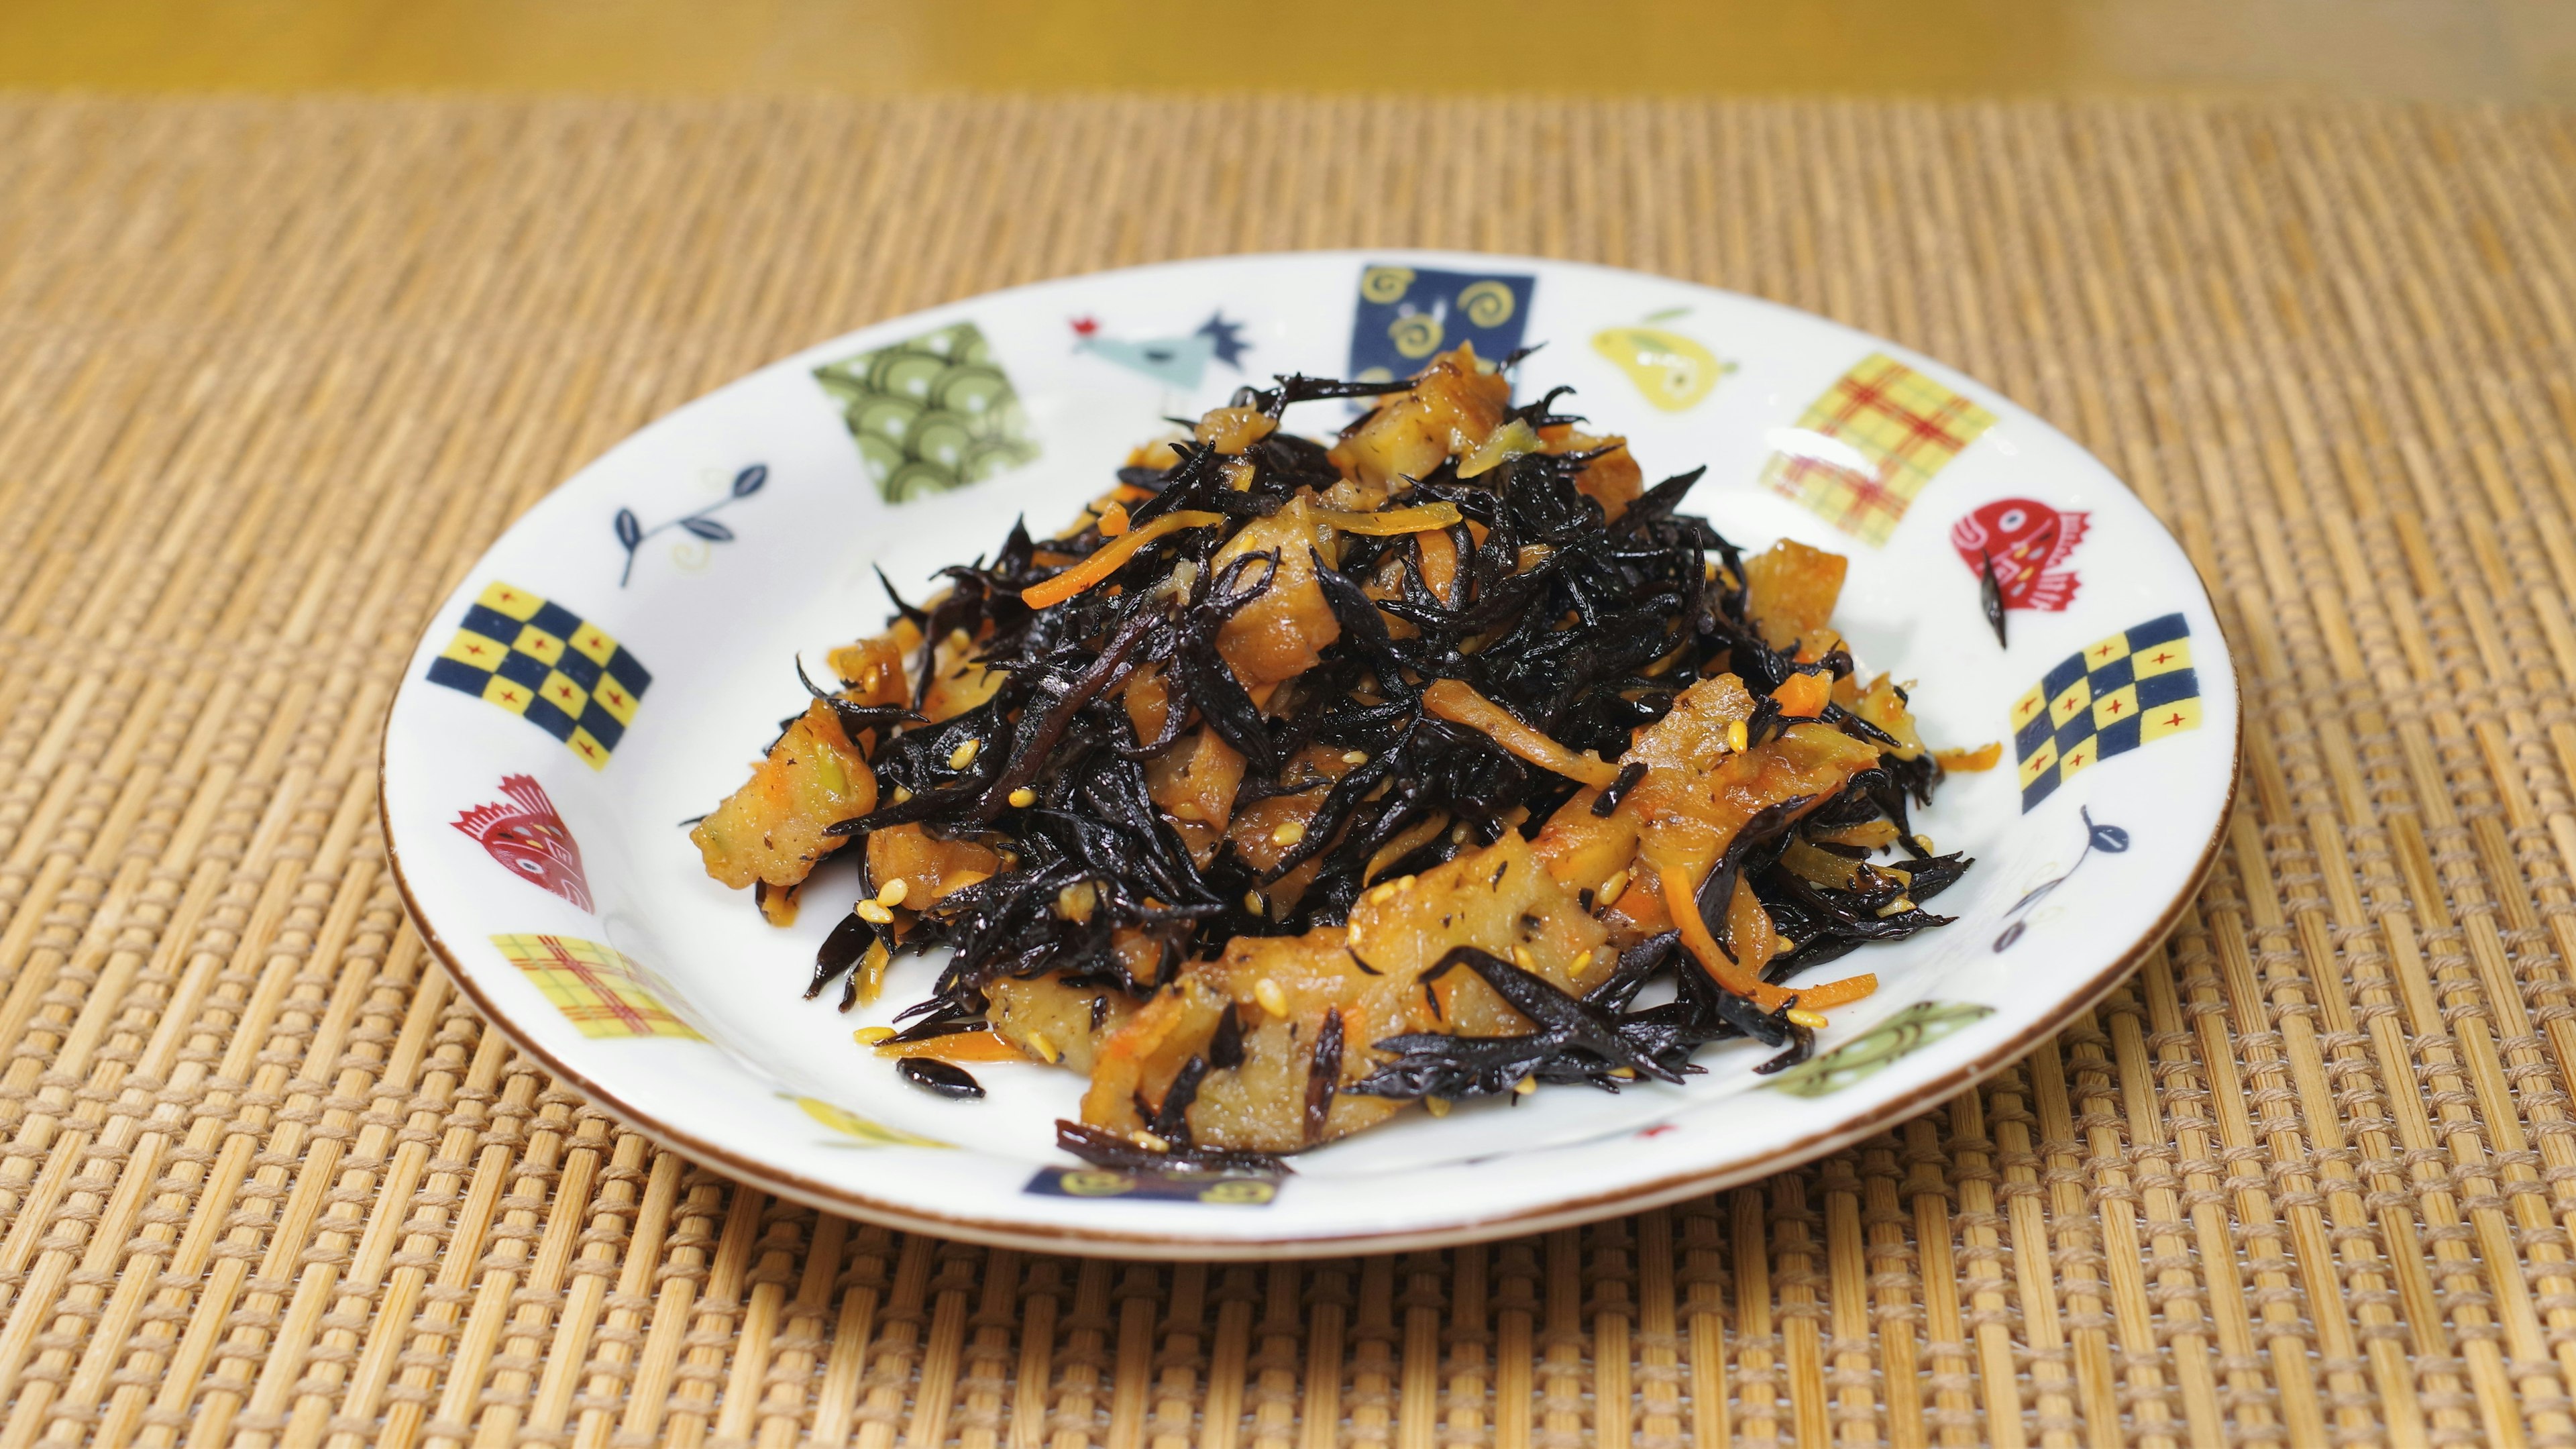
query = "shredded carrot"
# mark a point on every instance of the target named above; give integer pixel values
(1803, 696)
(1460, 704)
(1681, 899)
(1983, 757)
(957, 1046)
(1105, 560)
(1113, 520)
(1417, 519)
(1678, 899)
(1832, 993)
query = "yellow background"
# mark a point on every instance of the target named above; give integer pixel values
(2428, 49)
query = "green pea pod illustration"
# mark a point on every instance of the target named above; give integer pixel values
(1865, 1055)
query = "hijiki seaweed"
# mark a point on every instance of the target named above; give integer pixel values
(1436, 641)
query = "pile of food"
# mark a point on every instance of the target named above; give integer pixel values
(1298, 783)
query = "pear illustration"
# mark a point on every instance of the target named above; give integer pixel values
(1673, 371)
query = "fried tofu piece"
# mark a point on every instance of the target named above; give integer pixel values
(1791, 590)
(1283, 633)
(1612, 480)
(772, 829)
(1193, 783)
(1366, 980)
(1452, 407)
(929, 866)
(1053, 1022)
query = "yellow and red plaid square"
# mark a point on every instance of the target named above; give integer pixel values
(596, 987)
(1877, 435)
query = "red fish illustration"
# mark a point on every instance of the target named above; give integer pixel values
(530, 839)
(2026, 539)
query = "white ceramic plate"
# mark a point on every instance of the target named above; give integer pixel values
(630, 638)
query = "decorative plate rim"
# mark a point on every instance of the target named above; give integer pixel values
(1458, 1229)
(1096, 1242)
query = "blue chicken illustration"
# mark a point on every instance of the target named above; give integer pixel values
(1177, 362)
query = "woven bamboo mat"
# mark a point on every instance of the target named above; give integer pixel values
(272, 374)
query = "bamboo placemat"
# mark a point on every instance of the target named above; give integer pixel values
(271, 374)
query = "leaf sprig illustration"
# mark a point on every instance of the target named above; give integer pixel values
(631, 531)
(2108, 839)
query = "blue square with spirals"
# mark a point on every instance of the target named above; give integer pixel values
(1408, 315)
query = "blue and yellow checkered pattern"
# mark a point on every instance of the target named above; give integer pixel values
(548, 665)
(2131, 689)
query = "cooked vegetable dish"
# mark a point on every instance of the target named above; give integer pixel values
(1299, 783)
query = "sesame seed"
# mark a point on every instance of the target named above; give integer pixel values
(1272, 999)
(1044, 1046)
(1149, 1141)
(1896, 907)
(901, 794)
(1436, 1106)
(1354, 757)
(1253, 902)
(874, 914)
(1023, 797)
(1811, 1020)
(893, 892)
(964, 755)
(1737, 737)
(1288, 833)
(1525, 1086)
(1613, 888)
(1521, 957)
(871, 1035)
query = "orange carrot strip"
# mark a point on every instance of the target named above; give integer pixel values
(1678, 899)
(1460, 704)
(962, 1046)
(1106, 560)
(1831, 993)
(1983, 757)
(1681, 900)
(1803, 696)
(1416, 519)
